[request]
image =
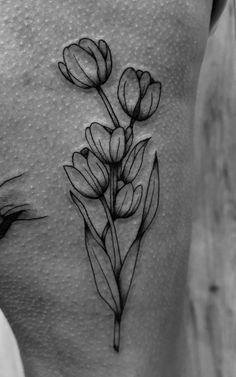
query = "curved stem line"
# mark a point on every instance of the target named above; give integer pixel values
(115, 183)
(115, 243)
(116, 335)
(107, 281)
(132, 121)
(105, 230)
(87, 218)
(108, 107)
(11, 179)
(22, 206)
(112, 188)
(33, 218)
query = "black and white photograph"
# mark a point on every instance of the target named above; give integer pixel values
(118, 188)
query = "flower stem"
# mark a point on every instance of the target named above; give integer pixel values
(132, 121)
(113, 188)
(116, 338)
(105, 230)
(115, 243)
(115, 181)
(112, 175)
(108, 107)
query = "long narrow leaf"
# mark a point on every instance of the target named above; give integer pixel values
(152, 198)
(151, 204)
(86, 217)
(103, 273)
(128, 269)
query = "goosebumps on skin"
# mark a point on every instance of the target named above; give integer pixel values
(114, 126)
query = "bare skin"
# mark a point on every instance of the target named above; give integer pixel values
(47, 292)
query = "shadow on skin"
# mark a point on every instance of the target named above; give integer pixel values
(11, 213)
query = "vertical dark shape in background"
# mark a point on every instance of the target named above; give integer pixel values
(212, 277)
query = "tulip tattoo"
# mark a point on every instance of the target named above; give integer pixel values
(139, 94)
(106, 171)
(87, 64)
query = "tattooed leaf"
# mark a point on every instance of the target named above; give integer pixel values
(103, 273)
(105, 231)
(86, 218)
(128, 268)
(149, 211)
(152, 198)
(109, 245)
(134, 162)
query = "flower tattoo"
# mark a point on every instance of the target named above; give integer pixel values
(87, 64)
(139, 94)
(107, 168)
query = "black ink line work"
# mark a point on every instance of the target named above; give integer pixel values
(106, 170)
(11, 213)
(11, 179)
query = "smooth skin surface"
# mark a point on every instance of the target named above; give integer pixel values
(47, 292)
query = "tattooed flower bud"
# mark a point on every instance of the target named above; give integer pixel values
(86, 64)
(127, 200)
(88, 175)
(139, 94)
(107, 144)
(133, 163)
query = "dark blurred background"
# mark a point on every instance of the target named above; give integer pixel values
(211, 306)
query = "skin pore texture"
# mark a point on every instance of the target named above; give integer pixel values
(47, 290)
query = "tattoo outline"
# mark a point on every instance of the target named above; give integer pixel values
(107, 168)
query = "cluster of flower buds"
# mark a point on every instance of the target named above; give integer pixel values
(88, 64)
(108, 167)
